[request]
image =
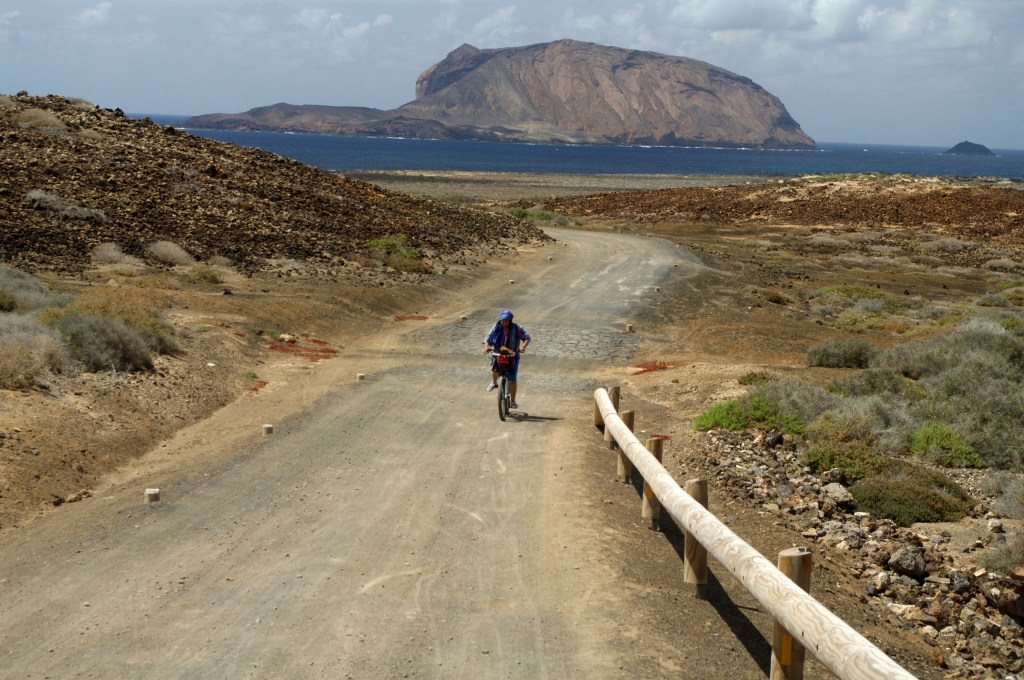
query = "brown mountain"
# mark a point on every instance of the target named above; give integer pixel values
(560, 92)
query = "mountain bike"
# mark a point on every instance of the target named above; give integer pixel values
(504, 360)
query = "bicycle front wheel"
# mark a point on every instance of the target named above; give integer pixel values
(502, 398)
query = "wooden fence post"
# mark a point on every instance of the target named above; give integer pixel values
(624, 469)
(787, 652)
(651, 508)
(695, 556)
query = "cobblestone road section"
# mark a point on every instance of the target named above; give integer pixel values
(552, 342)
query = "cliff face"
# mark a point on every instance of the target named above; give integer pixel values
(565, 91)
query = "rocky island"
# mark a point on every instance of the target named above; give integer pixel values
(560, 92)
(968, 149)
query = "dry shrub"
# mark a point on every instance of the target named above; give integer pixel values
(408, 264)
(104, 343)
(6, 102)
(92, 135)
(823, 242)
(1005, 558)
(204, 273)
(170, 253)
(220, 261)
(24, 290)
(992, 300)
(862, 236)
(44, 200)
(81, 104)
(27, 350)
(110, 253)
(127, 308)
(845, 353)
(948, 245)
(1002, 264)
(364, 261)
(38, 118)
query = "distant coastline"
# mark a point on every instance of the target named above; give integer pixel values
(347, 153)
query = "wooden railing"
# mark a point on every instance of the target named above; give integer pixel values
(801, 622)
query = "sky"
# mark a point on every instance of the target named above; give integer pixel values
(913, 72)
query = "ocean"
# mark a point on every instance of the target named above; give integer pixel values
(383, 153)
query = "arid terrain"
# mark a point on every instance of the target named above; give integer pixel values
(394, 527)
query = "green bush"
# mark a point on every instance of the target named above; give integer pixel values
(104, 343)
(845, 353)
(753, 411)
(1005, 558)
(533, 215)
(394, 244)
(940, 442)
(906, 497)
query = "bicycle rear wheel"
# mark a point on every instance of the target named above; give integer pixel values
(502, 398)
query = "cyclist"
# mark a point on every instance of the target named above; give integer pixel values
(506, 334)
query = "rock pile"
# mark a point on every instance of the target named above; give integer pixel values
(73, 175)
(971, 618)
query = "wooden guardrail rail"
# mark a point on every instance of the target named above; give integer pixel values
(801, 621)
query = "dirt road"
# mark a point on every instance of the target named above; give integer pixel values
(392, 527)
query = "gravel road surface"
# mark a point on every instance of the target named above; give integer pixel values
(392, 527)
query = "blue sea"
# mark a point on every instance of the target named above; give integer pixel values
(382, 153)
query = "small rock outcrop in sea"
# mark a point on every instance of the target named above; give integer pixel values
(968, 149)
(560, 92)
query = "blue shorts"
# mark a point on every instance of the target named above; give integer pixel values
(511, 375)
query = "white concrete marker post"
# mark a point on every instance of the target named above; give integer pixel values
(152, 495)
(360, 376)
(629, 328)
(268, 430)
(462, 318)
(510, 282)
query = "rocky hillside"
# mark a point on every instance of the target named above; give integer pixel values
(74, 175)
(564, 91)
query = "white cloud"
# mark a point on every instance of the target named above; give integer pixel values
(310, 18)
(356, 31)
(5, 18)
(95, 15)
(496, 25)
(383, 20)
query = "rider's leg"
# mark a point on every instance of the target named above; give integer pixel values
(494, 376)
(512, 389)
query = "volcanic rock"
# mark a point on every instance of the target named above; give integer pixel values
(93, 175)
(909, 561)
(563, 91)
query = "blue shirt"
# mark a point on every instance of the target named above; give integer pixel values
(499, 338)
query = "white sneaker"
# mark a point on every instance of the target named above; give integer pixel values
(492, 386)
